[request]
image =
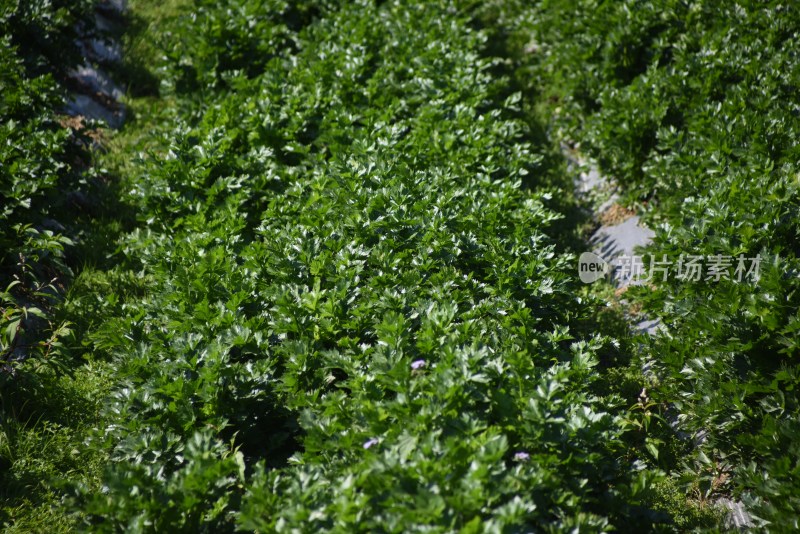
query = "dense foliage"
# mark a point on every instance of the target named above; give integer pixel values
(40, 171)
(347, 298)
(693, 107)
(43, 217)
(356, 318)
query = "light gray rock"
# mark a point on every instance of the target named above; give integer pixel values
(97, 81)
(90, 108)
(590, 180)
(621, 239)
(617, 244)
(650, 326)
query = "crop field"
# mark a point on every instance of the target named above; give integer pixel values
(325, 277)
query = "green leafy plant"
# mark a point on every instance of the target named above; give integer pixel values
(343, 293)
(354, 305)
(688, 105)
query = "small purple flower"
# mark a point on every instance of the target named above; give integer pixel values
(521, 456)
(418, 364)
(370, 442)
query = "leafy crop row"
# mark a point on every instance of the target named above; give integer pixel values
(693, 108)
(43, 220)
(40, 164)
(356, 317)
(348, 303)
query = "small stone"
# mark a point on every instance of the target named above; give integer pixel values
(88, 107)
(97, 81)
